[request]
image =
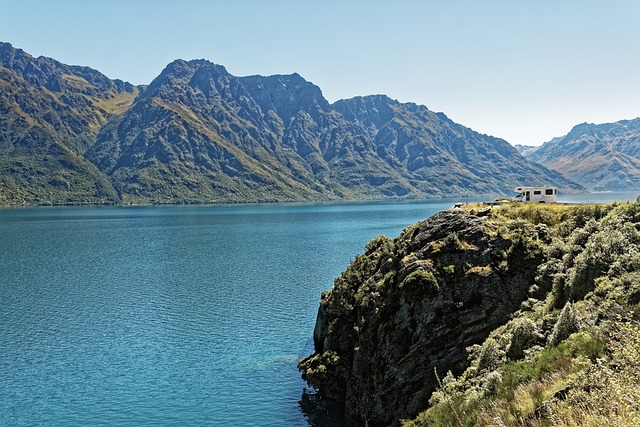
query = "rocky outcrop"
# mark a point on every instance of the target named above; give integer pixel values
(408, 308)
(525, 150)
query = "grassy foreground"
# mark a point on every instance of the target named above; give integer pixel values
(571, 355)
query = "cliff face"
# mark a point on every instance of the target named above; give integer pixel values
(530, 315)
(412, 305)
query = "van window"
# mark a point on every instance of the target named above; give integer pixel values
(548, 192)
(537, 192)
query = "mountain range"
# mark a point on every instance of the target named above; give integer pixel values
(601, 157)
(197, 134)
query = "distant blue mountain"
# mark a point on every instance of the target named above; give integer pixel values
(599, 157)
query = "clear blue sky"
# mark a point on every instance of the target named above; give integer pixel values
(525, 71)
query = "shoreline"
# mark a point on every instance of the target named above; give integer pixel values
(599, 197)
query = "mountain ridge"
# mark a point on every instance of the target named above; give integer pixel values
(601, 157)
(198, 134)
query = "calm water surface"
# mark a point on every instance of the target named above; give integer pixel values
(601, 197)
(171, 315)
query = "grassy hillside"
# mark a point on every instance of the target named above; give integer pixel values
(51, 114)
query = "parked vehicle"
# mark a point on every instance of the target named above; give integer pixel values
(537, 194)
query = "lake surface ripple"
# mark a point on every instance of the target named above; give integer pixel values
(170, 315)
(175, 315)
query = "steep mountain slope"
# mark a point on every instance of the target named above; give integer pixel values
(198, 134)
(600, 157)
(439, 156)
(201, 134)
(51, 113)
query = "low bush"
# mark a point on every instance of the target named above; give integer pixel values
(421, 281)
(525, 335)
(566, 325)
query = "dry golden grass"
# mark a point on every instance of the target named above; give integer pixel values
(608, 394)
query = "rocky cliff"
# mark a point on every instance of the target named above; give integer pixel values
(527, 315)
(410, 306)
(601, 157)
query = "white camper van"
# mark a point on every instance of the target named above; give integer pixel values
(537, 194)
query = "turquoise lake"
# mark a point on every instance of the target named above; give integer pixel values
(177, 315)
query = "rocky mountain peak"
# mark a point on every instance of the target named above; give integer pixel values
(10, 55)
(285, 94)
(180, 71)
(372, 110)
(199, 82)
(40, 72)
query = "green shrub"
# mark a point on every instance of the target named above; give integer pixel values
(545, 277)
(421, 280)
(492, 382)
(318, 368)
(566, 325)
(611, 245)
(449, 270)
(524, 336)
(382, 243)
(490, 355)
(590, 344)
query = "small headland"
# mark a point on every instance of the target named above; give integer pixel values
(518, 314)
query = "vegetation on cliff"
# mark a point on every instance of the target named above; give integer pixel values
(526, 316)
